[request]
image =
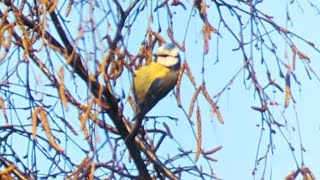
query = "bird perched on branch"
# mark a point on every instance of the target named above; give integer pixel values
(154, 81)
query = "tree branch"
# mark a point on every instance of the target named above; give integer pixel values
(106, 98)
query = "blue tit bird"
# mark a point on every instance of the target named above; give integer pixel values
(154, 81)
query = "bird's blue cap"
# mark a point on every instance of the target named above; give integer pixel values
(169, 46)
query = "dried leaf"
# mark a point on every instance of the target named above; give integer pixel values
(177, 2)
(207, 27)
(178, 85)
(46, 126)
(273, 102)
(170, 35)
(132, 104)
(260, 109)
(212, 150)
(287, 91)
(86, 162)
(167, 130)
(284, 30)
(193, 100)
(53, 5)
(117, 66)
(34, 123)
(62, 93)
(206, 32)
(213, 104)
(294, 55)
(292, 175)
(199, 134)
(303, 56)
(68, 10)
(201, 6)
(157, 35)
(211, 158)
(7, 170)
(6, 41)
(189, 74)
(84, 116)
(3, 108)
(307, 173)
(92, 171)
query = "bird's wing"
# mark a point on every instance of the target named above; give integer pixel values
(158, 90)
(144, 77)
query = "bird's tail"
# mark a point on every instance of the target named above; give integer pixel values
(134, 131)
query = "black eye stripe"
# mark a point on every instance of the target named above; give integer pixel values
(167, 55)
(163, 55)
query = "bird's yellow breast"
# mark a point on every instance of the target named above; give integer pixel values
(145, 76)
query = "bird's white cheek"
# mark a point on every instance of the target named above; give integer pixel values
(167, 61)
